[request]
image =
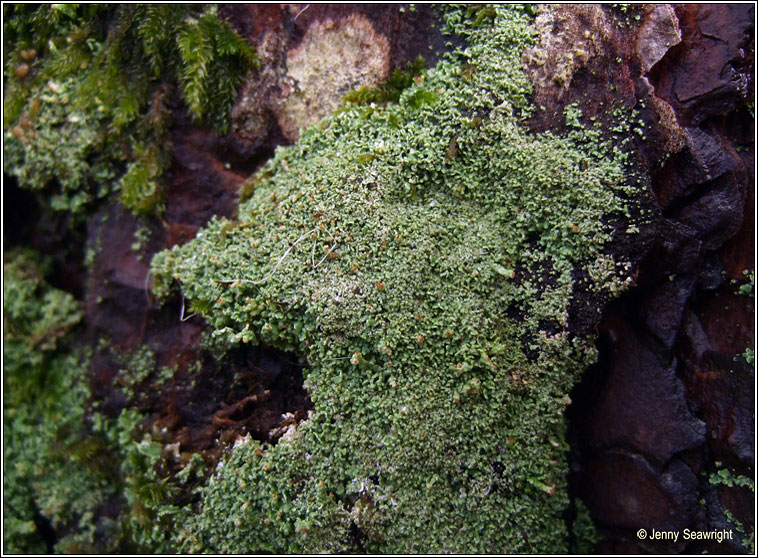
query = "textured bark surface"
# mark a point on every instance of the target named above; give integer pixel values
(672, 395)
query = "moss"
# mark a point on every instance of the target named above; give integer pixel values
(88, 88)
(389, 91)
(148, 509)
(747, 289)
(749, 356)
(142, 237)
(438, 422)
(481, 13)
(35, 315)
(747, 539)
(725, 477)
(66, 464)
(59, 149)
(46, 468)
(584, 534)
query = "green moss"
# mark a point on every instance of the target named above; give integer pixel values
(749, 356)
(747, 289)
(584, 533)
(438, 421)
(36, 316)
(747, 538)
(390, 91)
(724, 477)
(46, 469)
(481, 13)
(87, 93)
(58, 149)
(64, 461)
(148, 511)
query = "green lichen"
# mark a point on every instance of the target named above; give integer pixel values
(428, 287)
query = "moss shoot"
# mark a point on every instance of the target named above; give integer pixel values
(87, 89)
(422, 257)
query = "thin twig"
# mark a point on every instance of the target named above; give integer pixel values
(267, 277)
(329, 251)
(181, 315)
(301, 11)
(313, 254)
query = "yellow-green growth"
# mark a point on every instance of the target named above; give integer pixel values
(390, 91)
(584, 533)
(65, 462)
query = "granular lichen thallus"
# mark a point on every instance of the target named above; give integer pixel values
(393, 263)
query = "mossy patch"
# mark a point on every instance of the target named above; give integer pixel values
(47, 482)
(76, 480)
(422, 258)
(88, 89)
(389, 91)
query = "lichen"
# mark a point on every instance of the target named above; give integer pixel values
(566, 45)
(422, 256)
(331, 59)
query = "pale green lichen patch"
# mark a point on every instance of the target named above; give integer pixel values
(331, 59)
(422, 257)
